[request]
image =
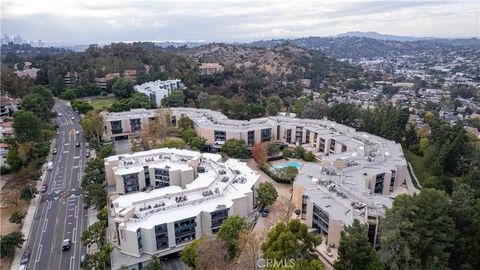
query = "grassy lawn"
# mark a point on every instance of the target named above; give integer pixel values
(103, 103)
(422, 172)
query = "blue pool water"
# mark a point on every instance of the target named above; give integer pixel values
(288, 164)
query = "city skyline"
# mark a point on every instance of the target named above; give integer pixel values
(107, 21)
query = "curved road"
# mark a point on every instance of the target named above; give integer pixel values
(60, 214)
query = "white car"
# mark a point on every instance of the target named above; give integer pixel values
(77, 132)
(73, 118)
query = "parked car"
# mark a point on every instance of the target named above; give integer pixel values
(57, 132)
(73, 118)
(44, 188)
(66, 244)
(82, 260)
(23, 267)
(87, 154)
(54, 151)
(77, 132)
(77, 144)
(265, 213)
(25, 257)
(59, 115)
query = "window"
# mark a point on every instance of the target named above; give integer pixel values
(220, 135)
(298, 134)
(320, 219)
(266, 134)
(185, 230)
(344, 148)
(146, 172)
(379, 183)
(116, 127)
(217, 219)
(139, 241)
(130, 182)
(251, 138)
(392, 180)
(307, 136)
(161, 236)
(321, 146)
(135, 124)
(304, 204)
(162, 178)
(332, 145)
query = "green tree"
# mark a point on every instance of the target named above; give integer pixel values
(102, 215)
(466, 216)
(16, 217)
(272, 148)
(92, 125)
(189, 254)
(106, 151)
(70, 93)
(438, 182)
(135, 146)
(27, 193)
(27, 126)
(94, 194)
(14, 161)
(197, 143)
(9, 242)
(123, 88)
(267, 194)
(99, 260)
(39, 101)
(290, 241)
(355, 251)
(309, 156)
(81, 106)
(418, 231)
(287, 173)
(188, 134)
(185, 123)
(94, 234)
(299, 105)
(235, 148)
(273, 105)
(175, 99)
(154, 264)
(203, 100)
(314, 110)
(229, 233)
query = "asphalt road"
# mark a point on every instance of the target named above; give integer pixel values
(60, 214)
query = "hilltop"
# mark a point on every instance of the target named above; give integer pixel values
(354, 47)
(285, 61)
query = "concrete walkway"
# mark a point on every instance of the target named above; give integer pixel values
(27, 224)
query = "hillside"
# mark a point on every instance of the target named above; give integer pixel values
(363, 47)
(285, 61)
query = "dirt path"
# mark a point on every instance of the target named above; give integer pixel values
(9, 203)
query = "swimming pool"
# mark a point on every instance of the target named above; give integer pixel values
(288, 164)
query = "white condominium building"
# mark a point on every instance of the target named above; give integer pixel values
(163, 199)
(158, 90)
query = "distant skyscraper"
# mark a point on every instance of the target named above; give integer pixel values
(17, 40)
(6, 39)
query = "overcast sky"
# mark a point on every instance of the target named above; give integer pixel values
(236, 20)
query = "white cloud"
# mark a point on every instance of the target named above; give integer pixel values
(94, 20)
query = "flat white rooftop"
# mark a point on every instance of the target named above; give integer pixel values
(216, 188)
